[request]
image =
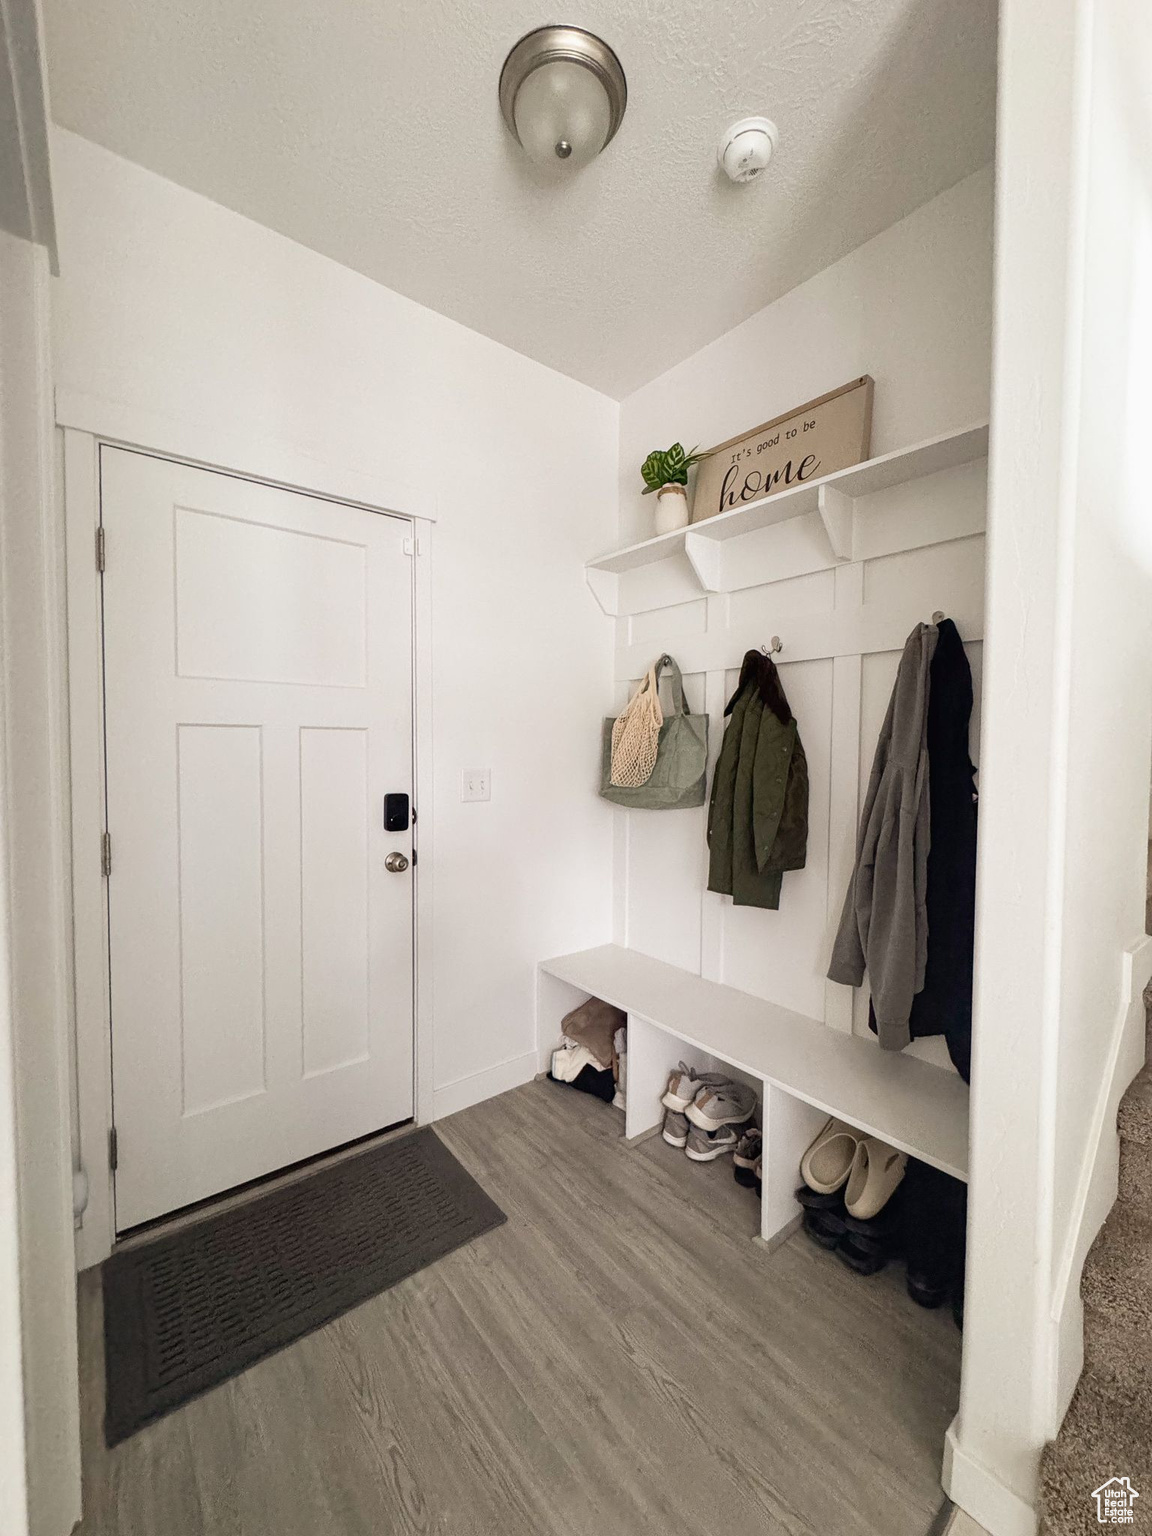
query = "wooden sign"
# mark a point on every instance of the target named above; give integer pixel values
(817, 439)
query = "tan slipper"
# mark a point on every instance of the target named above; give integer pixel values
(828, 1161)
(876, 1172)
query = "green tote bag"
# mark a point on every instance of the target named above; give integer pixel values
(679, 779)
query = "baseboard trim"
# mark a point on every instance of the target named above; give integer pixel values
(942, 1519)
(770, 1244)
(478, 1086)
(981, 1495)
(638, 1141)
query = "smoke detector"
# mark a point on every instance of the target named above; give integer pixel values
(746, 148)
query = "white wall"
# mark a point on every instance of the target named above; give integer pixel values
(39, 1409)
(39, 1394)
(186, 313)
(919, 548)
(1109, 632)
(913, 308)
(1061, 956)
(13, 1476)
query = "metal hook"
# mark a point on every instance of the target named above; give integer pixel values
(774, 647)
(938, 617)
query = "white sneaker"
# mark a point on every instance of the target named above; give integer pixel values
(568, 1061)
(620, 1097)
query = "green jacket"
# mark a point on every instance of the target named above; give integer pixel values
(758, 814)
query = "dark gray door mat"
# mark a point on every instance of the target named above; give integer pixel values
(186, 1312)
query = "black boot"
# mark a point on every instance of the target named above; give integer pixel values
(935, 1208)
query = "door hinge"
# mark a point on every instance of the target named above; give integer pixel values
(413, 546)
(106, 854)
(101, 556)
(113, 1149)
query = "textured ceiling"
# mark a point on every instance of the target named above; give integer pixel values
(371, 132)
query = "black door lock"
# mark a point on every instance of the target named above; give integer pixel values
(395, 813)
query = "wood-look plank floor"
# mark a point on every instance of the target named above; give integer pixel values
(619, 1358)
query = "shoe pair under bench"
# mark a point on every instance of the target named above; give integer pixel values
(847, 1195)
(709, 1116)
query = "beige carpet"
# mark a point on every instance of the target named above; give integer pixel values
(1107, 1432)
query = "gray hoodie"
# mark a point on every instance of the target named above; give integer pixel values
(884, 925)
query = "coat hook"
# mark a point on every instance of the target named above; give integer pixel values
(938, 617)
(774, 646)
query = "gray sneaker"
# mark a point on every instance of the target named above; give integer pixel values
(723, 1104)
(685, 1083)
(706, 1146)
(675, 1131)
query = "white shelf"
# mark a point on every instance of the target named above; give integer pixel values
(649, 552)
(834, 497)
(917, 1107)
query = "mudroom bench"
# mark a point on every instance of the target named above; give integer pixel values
(807, 1070)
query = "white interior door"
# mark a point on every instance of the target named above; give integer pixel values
(258, 695)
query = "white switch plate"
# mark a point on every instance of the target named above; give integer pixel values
(475, 784)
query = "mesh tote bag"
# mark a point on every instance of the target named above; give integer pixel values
(636, 736)
(679, 773)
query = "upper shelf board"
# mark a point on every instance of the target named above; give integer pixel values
(828, 496)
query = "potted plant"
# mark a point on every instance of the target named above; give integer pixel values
(665, 471)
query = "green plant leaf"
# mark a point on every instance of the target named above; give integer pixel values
(652, 471)
(675, 461)
(669, 467)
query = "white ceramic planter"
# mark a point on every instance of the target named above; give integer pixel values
(671, 508)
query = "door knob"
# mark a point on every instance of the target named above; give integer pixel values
(396, 863)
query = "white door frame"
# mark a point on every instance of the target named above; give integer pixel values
(87, 425)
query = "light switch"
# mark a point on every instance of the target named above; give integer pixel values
(476, 784)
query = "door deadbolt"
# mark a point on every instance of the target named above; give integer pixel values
(396, 863)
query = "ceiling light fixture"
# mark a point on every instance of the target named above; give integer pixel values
(563, 94)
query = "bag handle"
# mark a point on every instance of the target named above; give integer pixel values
(649, 684)
(676, 679)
